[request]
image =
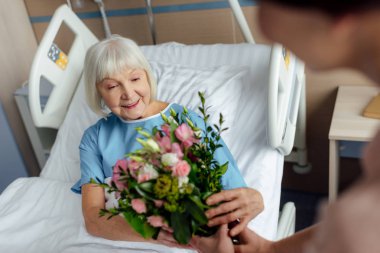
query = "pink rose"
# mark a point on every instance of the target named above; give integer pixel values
(182, 169)
(120, 166)
(185, 135)
(156, 221)
(138, 205)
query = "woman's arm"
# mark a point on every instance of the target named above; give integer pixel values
(115, 228)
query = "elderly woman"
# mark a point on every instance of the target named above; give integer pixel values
(326, 34)
(120, 87)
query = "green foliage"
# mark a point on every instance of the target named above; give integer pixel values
(138, 223)
(183, 203)
(180, 223)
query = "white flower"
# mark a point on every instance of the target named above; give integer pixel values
(182, 181)
(169, 159)
(112, 201)
(149, 170)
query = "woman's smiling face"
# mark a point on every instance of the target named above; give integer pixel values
(126, 94)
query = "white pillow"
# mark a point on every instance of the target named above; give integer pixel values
(222, 85)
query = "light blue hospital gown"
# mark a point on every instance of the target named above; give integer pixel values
(111, 138)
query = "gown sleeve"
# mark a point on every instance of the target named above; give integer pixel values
(90, 160)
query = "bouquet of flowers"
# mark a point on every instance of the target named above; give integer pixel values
(164, 184)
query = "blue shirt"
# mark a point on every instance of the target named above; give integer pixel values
(111, 138)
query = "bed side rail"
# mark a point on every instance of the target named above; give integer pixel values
(61, 71)
(240, 18)
(286, 81)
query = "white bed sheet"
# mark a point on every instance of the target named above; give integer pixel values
(40, 214)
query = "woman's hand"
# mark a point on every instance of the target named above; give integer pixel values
(241, 204)
(219, 242)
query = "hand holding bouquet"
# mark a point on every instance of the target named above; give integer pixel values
(164, 184)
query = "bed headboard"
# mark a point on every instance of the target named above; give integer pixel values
(286, 80)
(61, 71)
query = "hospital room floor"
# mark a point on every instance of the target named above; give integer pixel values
(306, 206)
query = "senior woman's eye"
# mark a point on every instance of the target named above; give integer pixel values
(109, 85)
(135, 79)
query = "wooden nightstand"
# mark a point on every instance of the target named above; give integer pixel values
(349, 130)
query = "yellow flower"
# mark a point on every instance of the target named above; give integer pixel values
(163, 186)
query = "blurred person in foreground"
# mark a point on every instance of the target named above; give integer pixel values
(325, 34)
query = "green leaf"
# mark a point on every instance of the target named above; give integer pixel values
(196, 211)
(223, 168)
(143, 193)
(173, 127)
(146, 186)
(140, 226)
(201, 96)
(154, 130)
(221, 120)
(181, 226)
(193, 177)
(206, 195)
(195, 199)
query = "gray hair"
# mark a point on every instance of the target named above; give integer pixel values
(108, 57)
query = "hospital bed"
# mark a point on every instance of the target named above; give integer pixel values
(256, 87)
